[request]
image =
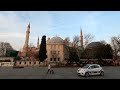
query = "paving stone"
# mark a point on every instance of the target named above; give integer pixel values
(60, 73)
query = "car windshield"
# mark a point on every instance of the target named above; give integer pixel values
(86, 66)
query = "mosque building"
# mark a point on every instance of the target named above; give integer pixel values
(57, 50)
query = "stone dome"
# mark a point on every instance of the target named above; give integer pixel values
(56, 40)
(93, 44)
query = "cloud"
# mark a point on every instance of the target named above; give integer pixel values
(11, 28)
(13, 25)
(12, 34)
(90, 23)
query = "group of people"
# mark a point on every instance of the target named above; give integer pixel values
(50, 70)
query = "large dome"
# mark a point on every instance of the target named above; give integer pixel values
(56, 40)
(93, 44)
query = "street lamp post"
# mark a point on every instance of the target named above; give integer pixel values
(2, 50)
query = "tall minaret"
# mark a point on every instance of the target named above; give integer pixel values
(81, 38)
(25, 47)
(38, 43)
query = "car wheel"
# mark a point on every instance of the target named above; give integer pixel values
(102, 73)
(87, 74)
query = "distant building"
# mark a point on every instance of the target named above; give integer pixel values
(93, 45)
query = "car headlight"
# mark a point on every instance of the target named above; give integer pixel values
(78, 70)
(83, 70)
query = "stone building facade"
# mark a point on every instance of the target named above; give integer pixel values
(57, 51)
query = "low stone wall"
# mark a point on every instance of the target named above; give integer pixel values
(36, 63)
(30, 63)
(5, 64)
(116, 62)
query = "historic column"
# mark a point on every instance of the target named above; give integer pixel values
(81, 38)
(25, 47)
(38, 43)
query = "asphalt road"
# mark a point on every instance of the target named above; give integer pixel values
(60, 73)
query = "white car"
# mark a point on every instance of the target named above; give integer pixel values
(90, 69)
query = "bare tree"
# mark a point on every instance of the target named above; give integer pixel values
(117, 39)
(88, 39)
(76, 40)
(3, 47)
(67, 41)
(115, 43)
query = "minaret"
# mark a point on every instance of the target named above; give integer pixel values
(81, 38)
(25, 47)
(38, 43)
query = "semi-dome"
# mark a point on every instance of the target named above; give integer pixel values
(56, 40)
(93, 44)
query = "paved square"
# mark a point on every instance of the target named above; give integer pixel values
(60, 73)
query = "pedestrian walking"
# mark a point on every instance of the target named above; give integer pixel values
(49, 68)
(52, 71)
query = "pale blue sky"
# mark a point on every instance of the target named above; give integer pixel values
(102, 24)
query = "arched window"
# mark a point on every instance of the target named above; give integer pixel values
(54, 59)
(58, 59)
(29, 62)
(19, 62)
(50, 59)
